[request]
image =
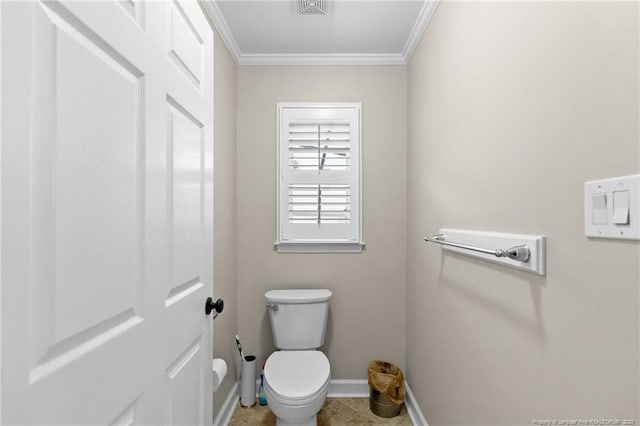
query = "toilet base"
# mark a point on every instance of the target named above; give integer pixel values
(313, 421)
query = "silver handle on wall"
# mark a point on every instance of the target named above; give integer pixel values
(272, 306)
(519, 253)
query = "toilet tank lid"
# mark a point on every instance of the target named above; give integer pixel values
(298, 295)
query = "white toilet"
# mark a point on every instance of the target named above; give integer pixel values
(296, 378)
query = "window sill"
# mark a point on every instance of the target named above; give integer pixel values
(318, 247)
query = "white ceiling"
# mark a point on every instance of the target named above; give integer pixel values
(353, 31)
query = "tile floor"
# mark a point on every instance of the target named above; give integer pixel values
(335, 412)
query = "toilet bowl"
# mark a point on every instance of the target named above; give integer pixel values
(296, 377)
(296, 384)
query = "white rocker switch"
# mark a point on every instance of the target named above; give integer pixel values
(620, 207)
(612, 208)
(599, 209)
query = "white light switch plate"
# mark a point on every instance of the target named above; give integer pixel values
(600, 225)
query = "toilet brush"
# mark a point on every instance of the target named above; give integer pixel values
(239, 347)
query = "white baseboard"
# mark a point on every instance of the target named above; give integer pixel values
(228, 407)
(344, 388)
(413, 409)
(338, 388)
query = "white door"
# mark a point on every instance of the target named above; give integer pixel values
(106, 218)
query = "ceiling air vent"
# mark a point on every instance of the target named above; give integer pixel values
(312, 7)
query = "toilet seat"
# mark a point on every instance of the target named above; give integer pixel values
(297, 377)
(282, 399)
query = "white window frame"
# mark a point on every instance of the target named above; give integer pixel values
(316, 242)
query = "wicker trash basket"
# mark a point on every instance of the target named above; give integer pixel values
(386, 388)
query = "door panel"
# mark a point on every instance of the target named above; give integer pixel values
(128, 417)
(87, 193)
(184, 380)
(106, 193)
(135, 9)
(186, 46)
(186, 144)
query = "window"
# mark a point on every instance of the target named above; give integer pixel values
(319, 205)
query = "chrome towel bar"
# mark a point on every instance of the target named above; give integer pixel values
(519, 253)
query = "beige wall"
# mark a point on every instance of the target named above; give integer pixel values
(225, 258)
(367, 318)
(512, 106)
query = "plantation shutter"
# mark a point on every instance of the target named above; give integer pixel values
(319, 182)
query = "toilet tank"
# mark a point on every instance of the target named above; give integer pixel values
(298, 317)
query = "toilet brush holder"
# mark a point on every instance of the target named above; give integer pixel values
(248, 382)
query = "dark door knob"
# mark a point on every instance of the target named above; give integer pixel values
(210, 305)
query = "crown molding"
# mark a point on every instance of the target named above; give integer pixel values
(217, 19)
(426, 13)
(212, 11)
(320, 59)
